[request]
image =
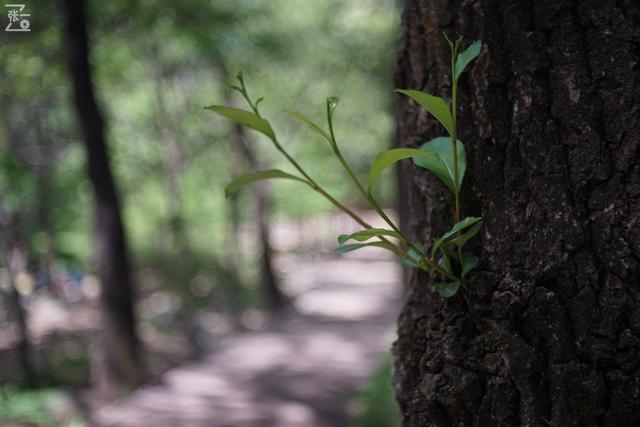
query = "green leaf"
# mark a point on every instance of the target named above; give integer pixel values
(464, 237)
(433, 104)
(354, 246)
(311, 125)
(244, 180)
(366, 234)
(442, 163)
(387, 158)
(407, 263)
(332, 103)
(246, 118)
(414, 259)
(469, 262)
(447, 290)
(447, 257)
(449, 235)
(446, 37)
(467, 56)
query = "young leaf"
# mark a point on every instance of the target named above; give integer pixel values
(467, 56)
(448, 236)
(246, 118)
(469, 262)
(447, 290)
(387, 158)
(464, 237)
(311, 125)
(442, 164)
(366, 234)
(408, 263)
(446, 37)
(414, 258)
(332, 103)
(433, 104)
(354, 246)
(244, 180)
(449, 256)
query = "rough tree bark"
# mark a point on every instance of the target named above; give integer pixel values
(548, 332)
(119, 343)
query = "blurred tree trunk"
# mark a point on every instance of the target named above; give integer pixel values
(43, 171)
(119, 342)
(173, 167)
(274, 297)
(548, 332)
(15, 260)
(17, 263)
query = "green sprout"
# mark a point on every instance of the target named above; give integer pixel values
(443, 156)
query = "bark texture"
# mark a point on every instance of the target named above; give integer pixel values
(120, 363)
(548, 332)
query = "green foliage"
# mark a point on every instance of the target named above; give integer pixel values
(454, 234)
(466, 57)
(446, 290)
(412, 259)
(246, 118)
(311, 125)
(445, 157)
(175, 60)
(367, 234)
(441, 163)
(343, 249)
(469, 262)
(433, 104)
(387, 158)
(30, 406)
(247, 179)
(375, 402)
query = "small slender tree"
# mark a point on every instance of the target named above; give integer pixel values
(273, 295)
(120, 348)
(15, 261)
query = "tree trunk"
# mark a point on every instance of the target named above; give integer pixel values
(173, 168)
(548, 331)
(17, 263)
(119, 342)
(274, 297)
(13, 257)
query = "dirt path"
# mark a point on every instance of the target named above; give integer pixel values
(298, 373)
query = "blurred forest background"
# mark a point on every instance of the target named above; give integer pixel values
(198, 261)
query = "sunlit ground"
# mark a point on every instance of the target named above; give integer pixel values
(309, 366)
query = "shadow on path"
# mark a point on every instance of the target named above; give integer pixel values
(300, 372)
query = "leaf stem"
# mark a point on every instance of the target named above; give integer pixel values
(314, 185)
(374, 204)
(454, 137)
